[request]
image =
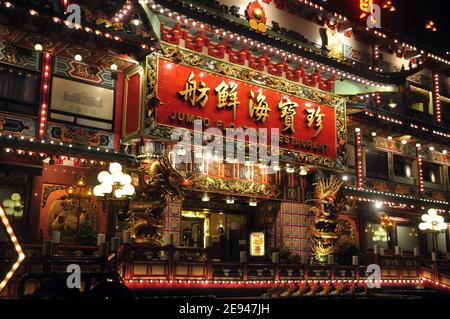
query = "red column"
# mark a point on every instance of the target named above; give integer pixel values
(45, 94)
(436, 98)
(419, 168)
(358, 153)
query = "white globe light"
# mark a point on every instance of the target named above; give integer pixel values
(115, 168)
(422, 226)
(18, 213)
(425, 217)
(8, 203)
(116, 178)
(118, 193)
(126, 179)
(103, 177)
(16, 196)
(128, 190)
(98, 191)
(439, 219)
(106, 188)
(432, 212)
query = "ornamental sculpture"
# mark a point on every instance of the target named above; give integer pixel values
(158, 181)
(324, 238)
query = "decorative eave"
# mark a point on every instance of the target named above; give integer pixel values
(206, 14)
(94, 36)
(31, 148)
(393, 199)
(400, 123)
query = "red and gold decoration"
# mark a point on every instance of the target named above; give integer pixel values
(431, 26)
(256, 16)
(388, 5)
(386, 221)
(366, 7)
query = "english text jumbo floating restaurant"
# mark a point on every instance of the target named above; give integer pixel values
(116, 153)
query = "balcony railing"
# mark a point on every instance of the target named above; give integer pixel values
(139, 263)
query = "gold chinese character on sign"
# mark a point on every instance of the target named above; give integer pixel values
(315, 117)
(227, 96)
(193, 93)
(288, 111)
(258, 107)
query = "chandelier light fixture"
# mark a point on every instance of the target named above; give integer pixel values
(114, 182)
(433, 223)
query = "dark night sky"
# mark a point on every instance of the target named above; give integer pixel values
(409, 20)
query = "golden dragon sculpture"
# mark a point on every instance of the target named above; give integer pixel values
(158, 181)
(323, 228)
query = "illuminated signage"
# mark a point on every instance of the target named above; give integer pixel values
(257, 244)
(188, 94)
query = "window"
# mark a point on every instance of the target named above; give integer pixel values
(377, 164)
(376, 235)
(403, 166)
(82, 104)
(421, 100)
(18, 90)
(408, 237)
(431, 173)
(445, 109)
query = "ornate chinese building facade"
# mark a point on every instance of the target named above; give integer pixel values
(261, 142)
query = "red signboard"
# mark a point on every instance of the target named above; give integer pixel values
(187, 93)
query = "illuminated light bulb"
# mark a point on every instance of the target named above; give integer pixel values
(38, 47)
(125, 179)
(106, 188)
(230, 200)
(444, 152)
(118, 193)
(253, 203)
(128, 190)
(378, 205)
(389, 138)
(115, 168)
(205, 198)
(357, 130)
(431, 148)
(114, 67)
(117, 177)
(290, 169)
(345, 178)
(374, 134)
(104, 177)
(78, 57)
(89, 191)
(404, 142)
